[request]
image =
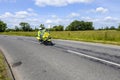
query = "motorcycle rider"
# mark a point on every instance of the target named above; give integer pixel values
(41, 33)
(44, 36)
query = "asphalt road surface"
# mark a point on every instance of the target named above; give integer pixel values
(66, 60)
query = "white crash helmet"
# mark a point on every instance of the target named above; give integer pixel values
(39, 28)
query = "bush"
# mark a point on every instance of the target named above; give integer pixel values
(3, 26)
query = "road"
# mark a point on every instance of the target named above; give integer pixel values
(66, 60)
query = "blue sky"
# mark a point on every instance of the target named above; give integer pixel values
(55, 12)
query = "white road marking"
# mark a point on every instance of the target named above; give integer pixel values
(95, 58)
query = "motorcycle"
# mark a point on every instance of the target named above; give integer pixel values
(45, 39)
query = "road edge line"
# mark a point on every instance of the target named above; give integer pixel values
(95, 58)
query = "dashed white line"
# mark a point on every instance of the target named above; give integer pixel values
(95, 58)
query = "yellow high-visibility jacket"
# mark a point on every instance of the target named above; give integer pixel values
(38, 35)
(39, 32)
(43, 34)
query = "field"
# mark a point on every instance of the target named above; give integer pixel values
(107, 36)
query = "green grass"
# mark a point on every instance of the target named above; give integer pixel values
(112, 37)
(3, 69)
(32, 34)
(109, 36)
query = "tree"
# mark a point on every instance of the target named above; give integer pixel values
(17, 28)
(52, 29)
(3, 26)
(25, 26)
(60, 28)
(101, 28)
(112, 28)
(80, 25)
(9, 30)
(42, 26)
(57, 28)
(119, 27)
(106, 28)
(36, 29)
(75, 25)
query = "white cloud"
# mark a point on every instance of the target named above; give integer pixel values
(99, 10)
(21, 14)
(111, 19)
(30, 9)
(15, 18)
(6, 15)
(72, 15)
(59, 2)
(48, 21)
(57, 21)
(103, 21)
(54, 16)
(53, 21)
(90, 19)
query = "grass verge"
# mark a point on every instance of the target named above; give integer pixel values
(105, 37)
(4, 75)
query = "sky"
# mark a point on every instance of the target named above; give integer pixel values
(60, 12)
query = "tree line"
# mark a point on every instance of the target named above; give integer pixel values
(109, 28)
(79, 25)
(73, 26)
